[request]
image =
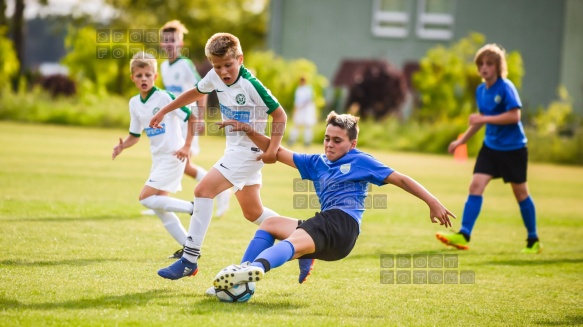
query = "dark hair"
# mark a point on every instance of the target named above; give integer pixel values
(346, 122)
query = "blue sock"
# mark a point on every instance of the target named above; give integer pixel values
(262, 241)
(275, 256)
(471, 212)
(529, 216)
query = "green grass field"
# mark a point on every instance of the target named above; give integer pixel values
(77, 252)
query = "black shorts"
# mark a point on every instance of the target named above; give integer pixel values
(334, 233)
(510, 165)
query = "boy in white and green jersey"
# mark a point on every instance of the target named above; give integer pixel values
(242, 97)
(169, 150)
(179, 75)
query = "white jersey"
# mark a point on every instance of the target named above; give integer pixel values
(165, 140)
(246, 100)
(179, 77)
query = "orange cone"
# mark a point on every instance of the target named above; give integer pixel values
(461, 152)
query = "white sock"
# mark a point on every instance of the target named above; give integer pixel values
(166, 203)
(266, 214)
(172, 225)
(199, 224)
(200, 174)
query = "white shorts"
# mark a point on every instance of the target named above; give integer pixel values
(240, 166)
(166, 173)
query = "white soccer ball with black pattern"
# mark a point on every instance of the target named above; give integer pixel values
(237, 293)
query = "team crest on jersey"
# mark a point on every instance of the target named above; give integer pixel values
(497, 98)
(155, 110)
(240, 99)
(345, 168)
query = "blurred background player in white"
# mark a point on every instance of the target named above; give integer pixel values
(304, 113)
(169, 149)
(179, 75)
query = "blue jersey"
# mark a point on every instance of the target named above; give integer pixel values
(498, 99)
(342, 184)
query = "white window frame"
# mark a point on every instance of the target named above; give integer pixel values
(379, 17)
(445, 21)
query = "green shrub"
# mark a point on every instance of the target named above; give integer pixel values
(9, 64)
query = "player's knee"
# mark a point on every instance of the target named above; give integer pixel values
(251, 215)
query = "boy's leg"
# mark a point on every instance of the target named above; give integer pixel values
(293, 135)
(173, 225)
(299, 243)
(167, 203)
(308, 135)
(205, 191)
(528, 213)
(274, 228)
(471, 212)
(250, 202)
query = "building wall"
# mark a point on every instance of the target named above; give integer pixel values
(572, 62)
(327, 31)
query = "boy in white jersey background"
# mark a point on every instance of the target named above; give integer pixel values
(341, 177)
(169, 150)
(241, 97)
(178, 75)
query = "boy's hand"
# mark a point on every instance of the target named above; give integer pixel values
(117, 149)
(236, 126)
(438, 213)
(183, 153)
(156, 120)
(453, 145)
(268, 158)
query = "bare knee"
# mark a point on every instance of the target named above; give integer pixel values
(252, 214)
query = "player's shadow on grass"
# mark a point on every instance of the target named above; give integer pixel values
(51, 263)
(275, 305)
(533, 262)
(110, 301)
(566, 321)
(71, 219)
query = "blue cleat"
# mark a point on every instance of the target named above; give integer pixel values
(179, 269)
(306, 266)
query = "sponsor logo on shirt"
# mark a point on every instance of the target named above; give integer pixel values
(243, 116)
(155, 131)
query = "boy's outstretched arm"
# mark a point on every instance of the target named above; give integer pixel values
(184, 99)
(437, 212)
(277, 129)
(129, 141)
(263, 142)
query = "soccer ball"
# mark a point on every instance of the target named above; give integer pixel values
(237, 293)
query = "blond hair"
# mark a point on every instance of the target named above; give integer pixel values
(347, 122)
(143, 59)
(223, 44)
(175, 26)
(497, 54)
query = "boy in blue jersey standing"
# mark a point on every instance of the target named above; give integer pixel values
(169, 149)
(341, 175)
(503, 154)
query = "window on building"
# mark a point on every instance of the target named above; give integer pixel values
(435, 19)
(390, 18)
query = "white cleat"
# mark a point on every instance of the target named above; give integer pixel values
(210, 291)
(237, 274)
(222, 203)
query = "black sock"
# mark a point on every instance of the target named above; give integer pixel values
(530, 242)
(466, 236)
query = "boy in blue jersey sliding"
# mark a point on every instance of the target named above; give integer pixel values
(503, 154)
(341, 175)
